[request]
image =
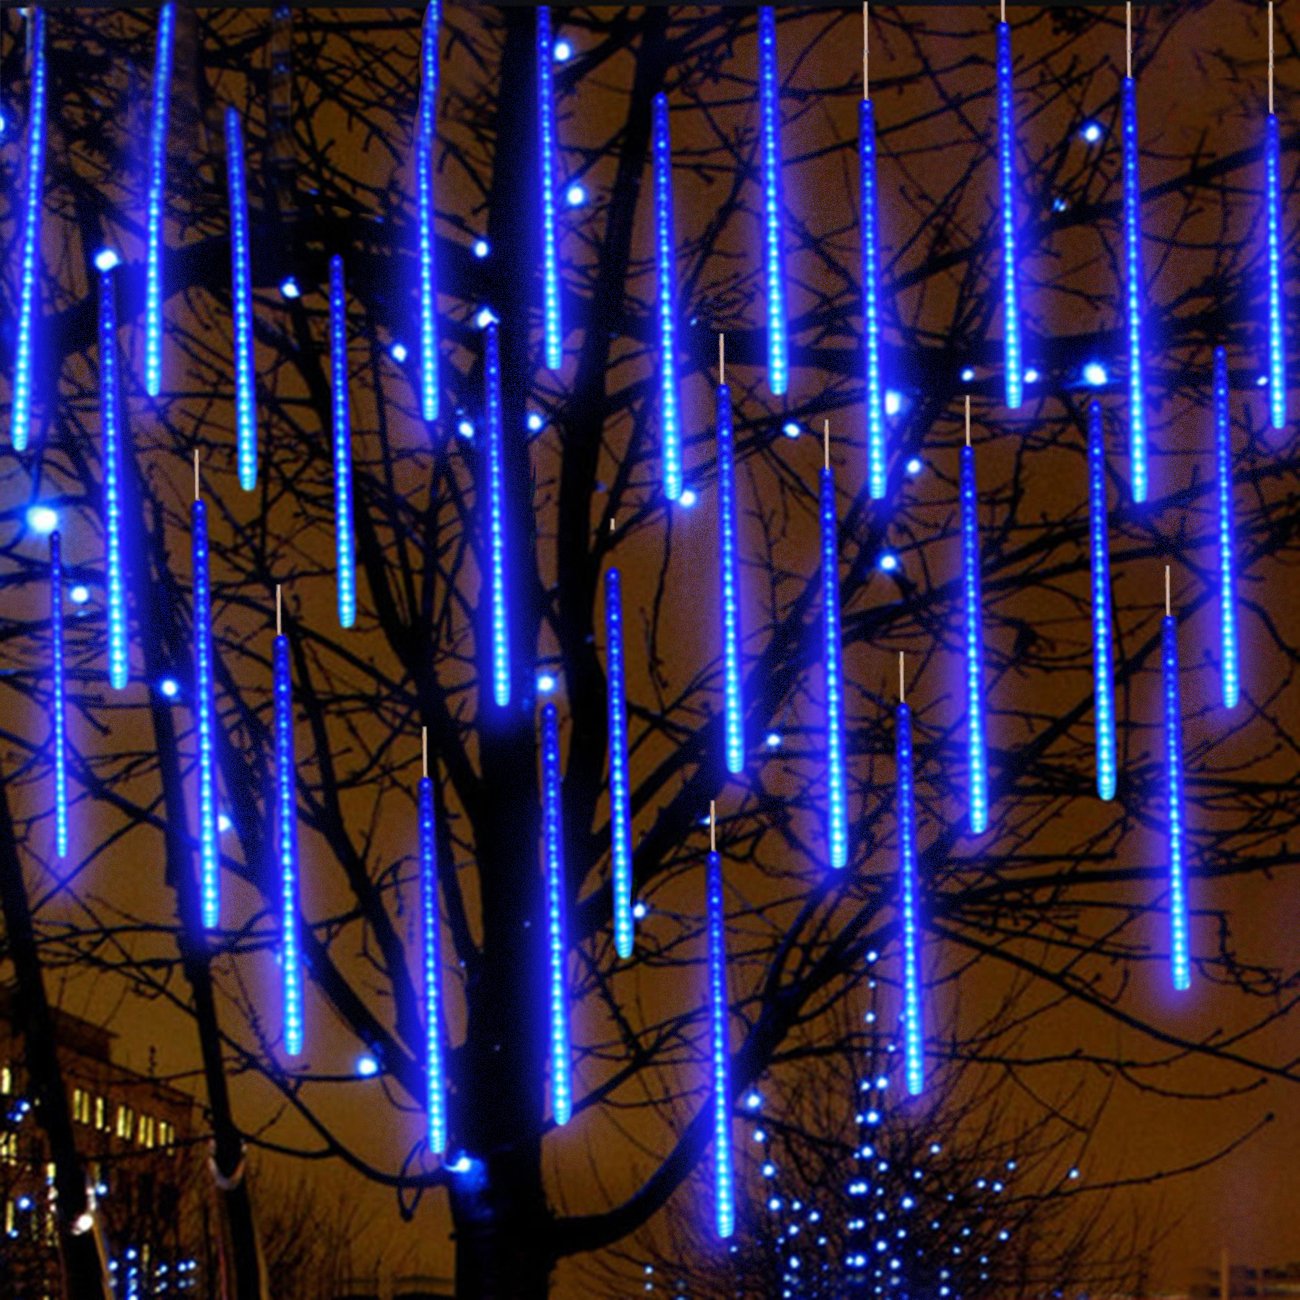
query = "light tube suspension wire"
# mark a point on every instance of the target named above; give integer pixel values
(1103, 655)
(59, 706)
(1007, 183)
(552, 329)
(111, 420)
(499, 611)
(241, 297)
(425, 139)
(344, 538)
(778, 364)
(1227, 558)
(620, 817)
(665, 259)
(556, 925)
(156, 200)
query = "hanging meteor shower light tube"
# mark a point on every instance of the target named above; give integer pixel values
(837, 834)
(977, 788)
(723, 1162)
(1007, 183)
(1273, 212)
(344, 540)
(432, 954)
(1133, 289)
(59, 705)
(496, 518)
(241, 297)
(665, 255)
(425, 135)
(553, 332)
(913, 1035)
(620, 816)
(556, 929)
(733, 706)
(1227, 583)
(1103, 657)
(1179, 960)
(286, 839)
(205, 712)
(153, 295)
(110, 411)
(769, 107)
(877, 464)
(29, 274)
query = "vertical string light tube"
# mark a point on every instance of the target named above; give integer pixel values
(59, 711)
(733, 706)
(241, 297)
(1180, 962)
(552, 329)
(1007, 185)
(1227, 582)
(665, 259)
(837, 834)
(426, 129)
(720, 1048)
(432, 954)
(1133, 290)
(557, 939)
(205, 711)
(1273, 212)
(620, 816)
(344, 539)
(769, 107)
(286, 840)
(1103, 655)
(913, 1034)
(977, 787)
(496, 519)
(877, 467)
(29, 272)
(153, 295)
(110, 408)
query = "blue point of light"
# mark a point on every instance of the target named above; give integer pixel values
(665, 260)
(79, 593)
(29, 273)
(1180, 962)
(1031, 376)
(224, 824)
(42, 520)
(205, 720)
(366, 1067)
(889, 562)
(344, 540)
(877, 460)
(639, 910)
(1092, 132)
(913, 1038)
(557, 940)
(465, 427)
(791, 429)
(110, 406)
(723, 1164)
(399, 353)
(153, 293)
(1273, 217)
(687, 498)
(1103, 660)
(976, 758)
(620, 818)
(106, 259)
(576, 195)
(435, 1080)
(915, 466)
(425, 133)
(1095, 375)
(241, 297)
(563, 51)
(893, 402)
(733, 705)
(772, 740)
(967, 374)
(286, 839)
(484, 317)
(289, 288)
(546, 683)
(1007, 183)
(500, 613)
(837, 836)
(480, 248)
(1133, 295)
(1227, 559)
(169, 688)
(59, 699)
(546, 147)
(535, 422)
(778, 366)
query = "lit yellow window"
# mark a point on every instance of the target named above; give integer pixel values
(6, 1080)
(101, 1120)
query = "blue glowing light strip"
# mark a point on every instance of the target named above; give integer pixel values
(837, 834)
(1227, 584)
(424, 144)
(913, 1037)
(557, 940)
(553, 333)
(733, 705)
(620, 816)
(436, 1082)
(877, 466)
(1103, 656)
(1007, 179)
(59, 712)
(241, 298)
(723, 1163)
(205, 707)
(496, 520)
(110, 408)
(778, 365)
(977, 792)
(1273, 210)
(1178, 953)
(29, 288)
(286, 829)
(1137, 419)
(153, 321)
(344, 540)
(665, 257)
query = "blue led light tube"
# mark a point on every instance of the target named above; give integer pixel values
(1230, 666)
(205, 718)
(59, 709)
(432, 954)
(837, 835)
(344, 538)
(499, 611)
(665, 259)
(156, 201)
(877, 452)
(1273, 214)
(286, 839)
(553, 333)
(913, 1039)
(425, 137)
(720, 1053)
(1103, 656)
(110, 408)
(620, 817)
(1007, 186)
(778, 364)
(1133, 296)
(241, 297)
(556, 926)
(733, 705)
(1180, 963)
(977, 788)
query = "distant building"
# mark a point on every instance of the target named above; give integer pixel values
(1245, 1282)
(409, 1286)
(135, 1135)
